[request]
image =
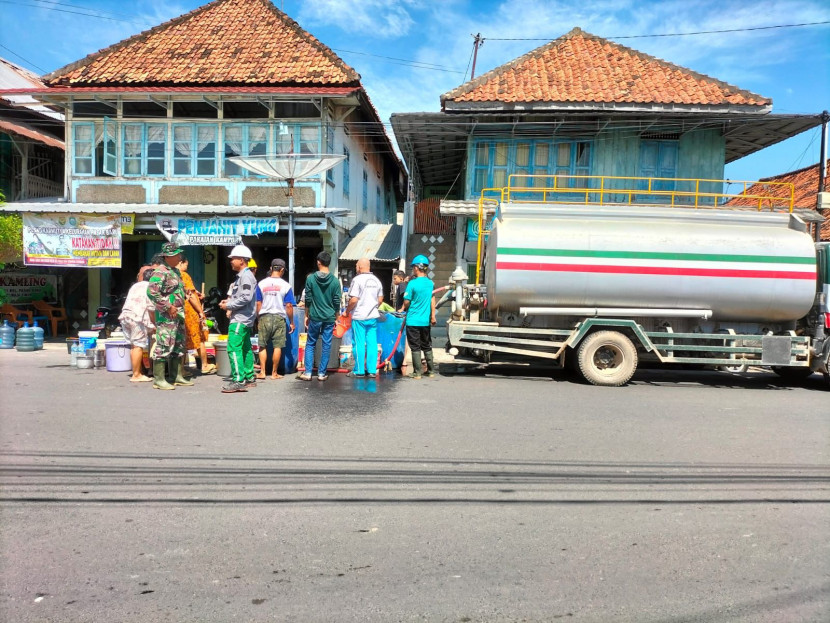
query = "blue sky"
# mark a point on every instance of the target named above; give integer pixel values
(409, 52)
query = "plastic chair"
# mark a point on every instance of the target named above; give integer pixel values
(15, 314)
(53, 314)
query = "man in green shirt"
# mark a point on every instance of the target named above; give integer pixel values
(419, 305)
(322, 304)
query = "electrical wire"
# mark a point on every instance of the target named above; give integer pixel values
(25, 60)
(673, 34)
(54, 8)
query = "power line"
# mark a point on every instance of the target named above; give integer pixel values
(402, 61)
(54, 8)
(673, 34)
(25, 60)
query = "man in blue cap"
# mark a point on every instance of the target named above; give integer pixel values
(419, 305)
(166, 291)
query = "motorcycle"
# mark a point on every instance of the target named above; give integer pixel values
(217, 319)
(106, 316)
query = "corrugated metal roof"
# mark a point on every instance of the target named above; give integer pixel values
(379, 243)
(163, 208)
(23, 129)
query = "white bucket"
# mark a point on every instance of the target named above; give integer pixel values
(118, 357)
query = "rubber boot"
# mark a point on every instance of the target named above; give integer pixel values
(416, 365)
(176, 372)
(159, 380)
(430, 364)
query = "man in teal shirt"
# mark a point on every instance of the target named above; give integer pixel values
(419, 305)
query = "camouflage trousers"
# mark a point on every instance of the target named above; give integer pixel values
(170, 337)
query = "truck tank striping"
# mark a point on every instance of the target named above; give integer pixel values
(657, 270)
(705, 257)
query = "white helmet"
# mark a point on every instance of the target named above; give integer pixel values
(241, 250)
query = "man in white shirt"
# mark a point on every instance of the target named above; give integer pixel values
(365, 295)
(277, 307)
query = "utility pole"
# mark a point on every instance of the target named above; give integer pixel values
(822, 165)
(477, 43)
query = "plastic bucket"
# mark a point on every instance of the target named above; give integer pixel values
(87, 339)
(346, 360)
(223, 363)
(70, 342)
(118, 357)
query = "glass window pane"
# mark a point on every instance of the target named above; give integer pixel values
(205, 167)
(582, 154)
(83, 132)
(540, 158)
(500, 178)
(83, 165)
(132, 166)
(563, 155)
(155, 166)
(181, 166)
(522, 154)
(501, 155)
(479, 180)
(482, 154)
(182, 133)
(309, 139)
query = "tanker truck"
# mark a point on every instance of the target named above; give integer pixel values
(601, 287)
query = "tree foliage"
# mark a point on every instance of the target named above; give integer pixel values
(11, 236)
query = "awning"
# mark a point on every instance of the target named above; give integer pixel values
(465, 207)
(378, 243)
(305, 218)
(22, 129)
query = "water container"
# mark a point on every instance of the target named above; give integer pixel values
(223, 362)
(87, 339)
(25, 338)
(6, 335)
(38, 336)
(74, 353)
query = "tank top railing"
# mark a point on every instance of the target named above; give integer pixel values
(651, 191)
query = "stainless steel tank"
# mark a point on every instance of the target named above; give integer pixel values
(749, 266)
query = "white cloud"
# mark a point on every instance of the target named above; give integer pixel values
(372, 18)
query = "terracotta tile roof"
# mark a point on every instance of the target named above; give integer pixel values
(241, 42)
(805, 187)
(582, 68)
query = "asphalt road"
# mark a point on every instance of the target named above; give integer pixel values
(685, 496)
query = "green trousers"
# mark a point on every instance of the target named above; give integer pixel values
(240, 352)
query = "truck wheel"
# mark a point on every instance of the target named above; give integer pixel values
(607, 358)
(792, 374)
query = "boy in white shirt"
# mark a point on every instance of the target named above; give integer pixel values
(277, 306)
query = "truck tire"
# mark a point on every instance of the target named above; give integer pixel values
(793, 375)
(607, 358)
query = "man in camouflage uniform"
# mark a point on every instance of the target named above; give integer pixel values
(166, 291)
